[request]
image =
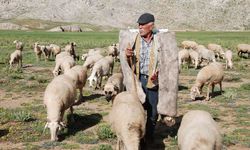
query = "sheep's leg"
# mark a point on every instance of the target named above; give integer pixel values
(71, 114)
(220, 87)
(21, 62)
(212, 89)
(207, 98)
(80, 99)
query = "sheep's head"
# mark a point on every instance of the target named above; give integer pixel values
(110, 91)
(54, 127)
(91, 80)
(84, 57)
(194, 92)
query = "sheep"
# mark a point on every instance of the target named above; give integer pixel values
(16, 58)
(92, 59)
(63, 63)
(59, 95)
(79, 74)
(198, 131)
(38, 51)
(229, 56)
(183, 56)
(113, 86)
(90, 53)
(55, 49)
(113, 51)
(217, 49)
(71, 48)
(195, 58)
(101, 68)
(128, 119)
(243, 48)
(46, 50)
(205, 54)
(210, 75)
(189, 44)
(19, 45)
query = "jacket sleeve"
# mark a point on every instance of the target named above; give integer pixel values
(168, 74)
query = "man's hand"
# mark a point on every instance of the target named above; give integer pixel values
(129, 52)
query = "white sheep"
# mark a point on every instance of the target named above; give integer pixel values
(101, 68)
(210, 75)
(71, 49)
(55, 49)
(183, 57)
(113, 51)
(90, 52)
(217, 49)
(92, 59)
(205, 54)
(59, 95)
(189, 44)
(63, 63)
(79, 75)
(16, 58)
(199, 131)
(113, 86)
(38, 51)
(19, 45)
(243, 48)
(229, 57)
(195, 58)
(46, 50)
(128, 119)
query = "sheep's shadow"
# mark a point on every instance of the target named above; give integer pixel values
(3, 132)
(162, 131)
(216, 93)
(88, 98)
(80, 123)
(181, 87)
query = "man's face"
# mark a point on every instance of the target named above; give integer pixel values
(145, 29)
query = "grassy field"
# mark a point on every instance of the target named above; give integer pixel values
(22, 115)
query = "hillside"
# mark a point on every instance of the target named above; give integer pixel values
(172, 14)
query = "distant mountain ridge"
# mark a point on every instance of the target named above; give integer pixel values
(172, 14)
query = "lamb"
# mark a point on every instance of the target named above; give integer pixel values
(205, 54)
(113, 86)
(183, 56)
(19, 45)
(16, 58)
(59, 95)
(79, 74)
(229, 56)
(210, 75)
(71, 49)
(100, 69)
(63, 63)
(128, 119)
(55, 49)
(189, 44)
(198, 131)
(243, 48)
(217, 49)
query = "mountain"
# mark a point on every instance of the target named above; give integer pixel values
(171, 14)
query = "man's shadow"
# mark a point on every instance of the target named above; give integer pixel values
(162, 131)
(80, 123)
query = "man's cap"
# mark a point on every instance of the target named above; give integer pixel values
(146, 18)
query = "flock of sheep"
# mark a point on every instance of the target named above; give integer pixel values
(198, 129)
